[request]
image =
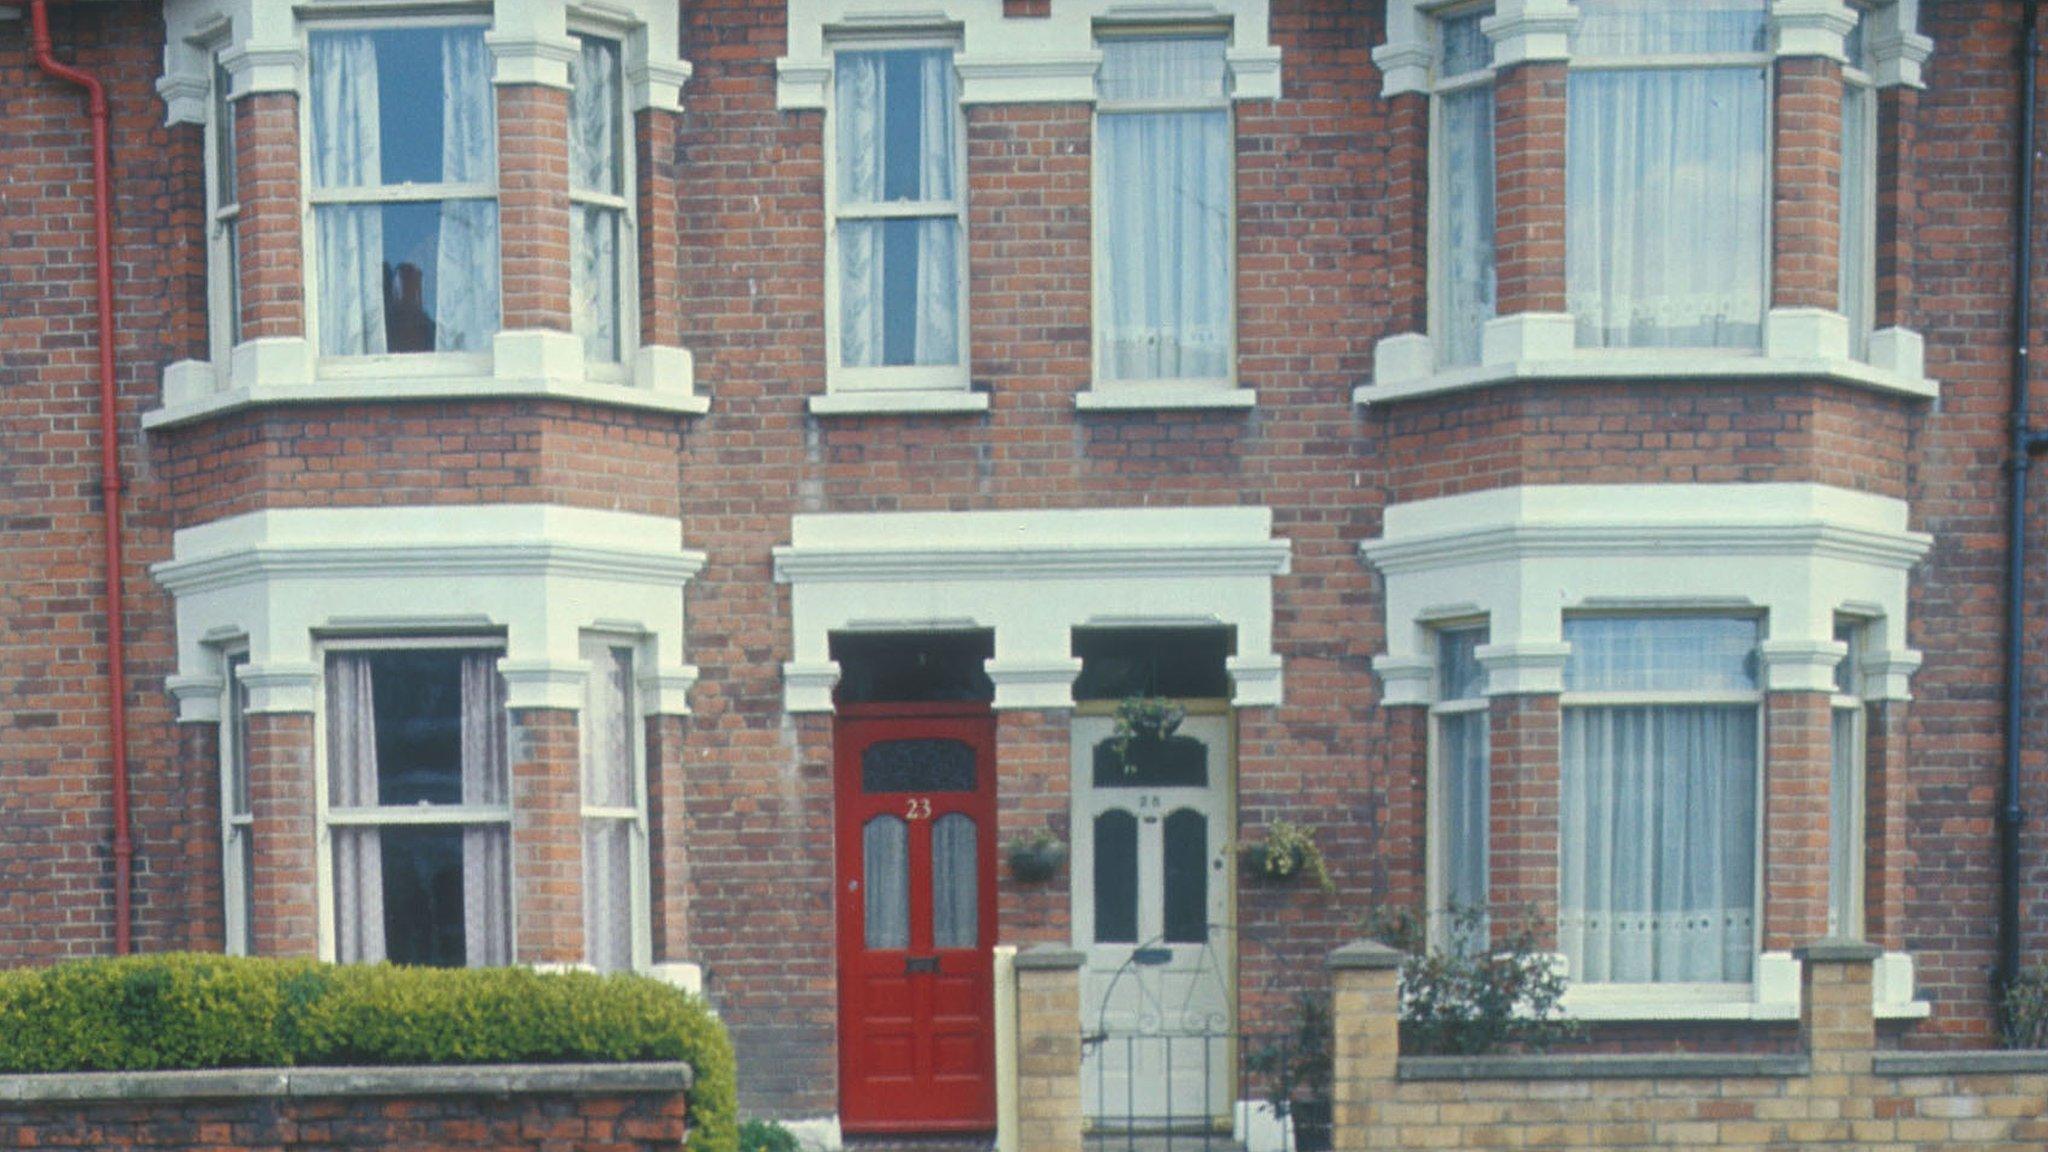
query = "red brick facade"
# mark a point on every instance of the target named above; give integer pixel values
(1331, 187)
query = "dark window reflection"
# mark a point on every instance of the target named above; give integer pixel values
(1116, 878)
(1187, 877)
(419, 730)
(423, 896)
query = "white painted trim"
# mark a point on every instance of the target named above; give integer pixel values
(1032, 577)
(887, 403)
(540, 575)
(1526, 31)
(1774, 996)
(235, 399)
(1811, 28)
(1123, 396)
(1049, 59)
(1007, 1120)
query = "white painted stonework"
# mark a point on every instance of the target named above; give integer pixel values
(1011, 61)
(1523, 557)
(1032, 577)
(276, 582)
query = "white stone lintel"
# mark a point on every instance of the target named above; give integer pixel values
(1526, 31)
(197, 697)
(1801, 665)
(1045, 686)
(1811, 28)
(555, 684)
(666, 691)
(807, 687)
(281, 687)
(531, 58)
(1404, 67)
(1530, 668)
(1405, 680)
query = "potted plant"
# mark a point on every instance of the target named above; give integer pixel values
(1288, 852)
(1142, 720)
(1036, 858)
(1299, 1067)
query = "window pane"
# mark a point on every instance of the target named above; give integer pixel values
(1859, 221)
(1845, 842)
(1459, 673)
(1116, 878)
(238, 736)
(223, 136)
(1175, 762)
(423, 894)
(917, 766)
(885, 872)
(1464, 47)
(596, 120)
(1468, 287)
(1151, 70)
(1661, 653)
(1847, 670)
(1187, 877)
(245, 861)
(594, 235)
(414, 277)
(1165, 180)
(1645, 27)
(1658, 839)
(608, 724)
(418, 697)
(896, 115)
(956, 883)
(608, 894)
(1463, 782)
(401, 105)
(899, 292)
(1667, 175)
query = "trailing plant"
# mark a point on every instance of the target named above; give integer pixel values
(2023, 1010)
(1036, 858)
(766, 1136)
(1143, 718)
(1288, 851)
(1466, 997)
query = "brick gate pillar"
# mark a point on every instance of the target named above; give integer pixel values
(1049, 1049)
(1365, 1016)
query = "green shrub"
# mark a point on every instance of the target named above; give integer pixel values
(2023, 1010)
(766, 1136)
(146, 1013)
(1471, 997)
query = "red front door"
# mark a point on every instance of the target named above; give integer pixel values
(916, 910)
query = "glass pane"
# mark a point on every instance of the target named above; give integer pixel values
(1465, 48)
(1175, 762)
(956, 883)
(1148, 70)
(1661, 653)
(1184, 663)
(1850, 634)
(414, 277)
(917, 766)
(1647, 27)
(608, 894)
(896, 113)
(1463, 770)
(1667, 174)
(1116, 878)
(1166, 180)
(418, 700)
(238, 737)
(1859, 220)
(401, 105)
(245, 860)
(1845, 845)
(899, 292)
(1187, 877)
(594, 235)
(233, 272)
(1459, 674)
(1469, 282)
(608, 724)
(223, 135)
(423, 896)
(912, 667)
(596, 119)
(885, 873)
(1658, 835)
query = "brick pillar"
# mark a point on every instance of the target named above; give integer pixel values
(667, 853)
(268, 228)
(1797, 766)
(283, 834)
(1049, 1049)
(533, 206)
(655, 132)
(1807, 185)
(1835, 1018)
(1898, 118)
(1523, 796)
(1033, 791)
(1529, 230)
(547, 836)
(1886, 854)
(1407, 191)
(201, 912)
(1365, 1018)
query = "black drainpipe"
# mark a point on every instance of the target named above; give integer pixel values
(2012, 814)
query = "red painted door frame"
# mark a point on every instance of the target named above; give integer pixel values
(916, 1025)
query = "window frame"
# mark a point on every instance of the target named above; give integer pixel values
(1438, 830)
(385, 365)
(223, 216)
(1438, 295)
(1098, 230)
(326, 818)
(1684, 991)
(1858, 82)
(619, 371)
(237, 882)
(897, 378)
(1848, 911)
(639, 863)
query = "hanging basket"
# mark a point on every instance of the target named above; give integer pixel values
(1036, 861)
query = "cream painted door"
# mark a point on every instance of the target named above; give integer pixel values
(1152, 898)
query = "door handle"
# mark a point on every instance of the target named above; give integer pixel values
(914, 964)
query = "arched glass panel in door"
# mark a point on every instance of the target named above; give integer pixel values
(955, 883)
(1186, 866)
(885, 868)
(1116, 878)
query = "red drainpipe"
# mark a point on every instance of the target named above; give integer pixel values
(110, 458)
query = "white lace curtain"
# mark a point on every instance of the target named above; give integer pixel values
(1166, 180)
(351, 238)
(596, 166)
(899, 287)
(1467, 285)
(956, 883)
(608, 783)
(1667, 179)
(885, 883)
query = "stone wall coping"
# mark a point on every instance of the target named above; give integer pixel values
(1836, 951)
(1960, 1063)
(1049, 958)
(312, 1083)
(1552, 1066)
(1365, 956)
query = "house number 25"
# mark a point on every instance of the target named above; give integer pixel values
(919, 808)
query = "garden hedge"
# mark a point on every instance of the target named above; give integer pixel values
(183, 1011)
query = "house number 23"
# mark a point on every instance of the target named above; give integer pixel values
(919, 808)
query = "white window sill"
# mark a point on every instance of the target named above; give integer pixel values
(1773, 998)
(1123, 397)
(884, 403)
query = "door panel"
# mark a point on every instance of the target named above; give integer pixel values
(915, 795)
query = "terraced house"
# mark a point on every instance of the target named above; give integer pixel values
(705, 486)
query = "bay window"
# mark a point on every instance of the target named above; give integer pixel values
(1667, 173)
(1463, 282)
(403, 165)
(417, 815)
(601, 226)
(1658, 827)
(1460, 745)
(898, 227)
(1165, 222)
(614, 810)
